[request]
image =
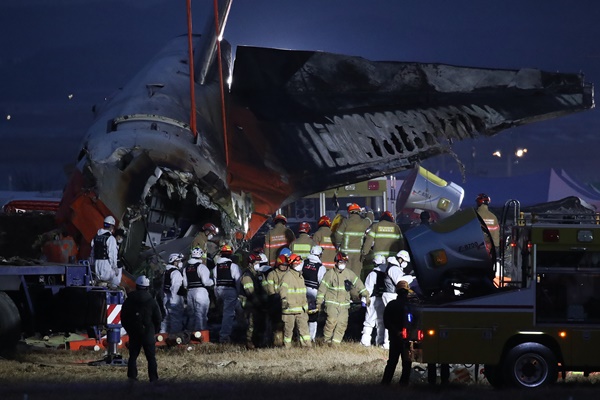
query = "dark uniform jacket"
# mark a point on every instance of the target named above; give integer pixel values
(140, 307)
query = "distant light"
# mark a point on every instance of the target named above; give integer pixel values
(520, 152)
(70, 96)
(497, 154)
(8, 117)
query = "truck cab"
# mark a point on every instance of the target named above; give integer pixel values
(540, 318)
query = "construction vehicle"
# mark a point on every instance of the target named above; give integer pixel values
(54, 298)
(526, 311)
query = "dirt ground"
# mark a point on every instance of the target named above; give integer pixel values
(213, 371)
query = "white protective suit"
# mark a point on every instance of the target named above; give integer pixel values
(198, 301)
(174, 303)
(106, 269)
(227, 295)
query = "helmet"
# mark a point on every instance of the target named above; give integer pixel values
(294, 259)
(210, 228)
(285, 251)
(379, 259)
(304, 227)
(282, 260)
(316, 251)
(263, 258)
(353, 208)
(252, 258)
(226, 250)
(340, 257)
(403, 254)
(387, 216)
(142, 281)
(324, 221)
(483, 198)
(110, 220)
(175, 257)
(280, 218)
(197, 252)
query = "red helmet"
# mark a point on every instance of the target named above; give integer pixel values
(353, 208)
(282, 260)
(210, 228)
(340, 257)
(387, 216)
(304, 227)
(324, 221)
(280, 218)
(294, 259)
(483, 198)
(226, 250)
(252, 258)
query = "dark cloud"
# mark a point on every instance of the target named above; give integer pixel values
(91, 48)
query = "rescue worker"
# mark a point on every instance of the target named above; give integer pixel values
(323, 238)
(303, 243)
(279, 236)
(198, 282)
(204, 240)
(334, 293)
(105, 254)
(294, 306)
(312, 272)
(274, 279)
(350, 235)
(384, 237)
(483, 202)
(377, 283)
(175, 295)
(254, 299)
(394, 319)
(140, 316)
(227, 280)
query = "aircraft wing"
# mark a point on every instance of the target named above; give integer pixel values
(318, 120)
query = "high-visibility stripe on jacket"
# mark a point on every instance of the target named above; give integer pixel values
(302, 245)
(293, 293)
(351, 232)
(386, 239)
(322, 237)
(278, 237)
(333, 289)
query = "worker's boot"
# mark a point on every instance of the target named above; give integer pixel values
(365, 340)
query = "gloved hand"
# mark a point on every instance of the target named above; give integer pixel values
(284, 304)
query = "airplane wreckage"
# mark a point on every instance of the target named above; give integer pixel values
(292, 123)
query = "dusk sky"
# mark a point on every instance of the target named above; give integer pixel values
(89, 48)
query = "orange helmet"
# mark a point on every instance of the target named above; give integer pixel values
(324, 221)
(210, 228)
(294, 259)
(280, 218)
(387, 216)
(483, 198)
(340, 257)
(282, 260)
(353, 208)
(226, 250)
(304, 227)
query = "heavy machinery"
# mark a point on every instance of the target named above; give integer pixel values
(526, 311)
(54, 298)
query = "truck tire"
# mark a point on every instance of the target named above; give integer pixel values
(10, 324)
(493, 374)
(530, 365)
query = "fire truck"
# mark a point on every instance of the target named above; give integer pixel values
(527, 311)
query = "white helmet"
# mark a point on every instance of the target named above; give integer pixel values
(379, 259)
(110, 220)
(263, 258)
(316, 251)
(197, 252)
(175, 257)
(403, 254)
(142, 281)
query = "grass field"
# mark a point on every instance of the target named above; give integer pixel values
(214, 371)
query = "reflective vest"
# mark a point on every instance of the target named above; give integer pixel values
(224, 277)
(310, 272)
(101, 247)
(383, 284)
(191, 273)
